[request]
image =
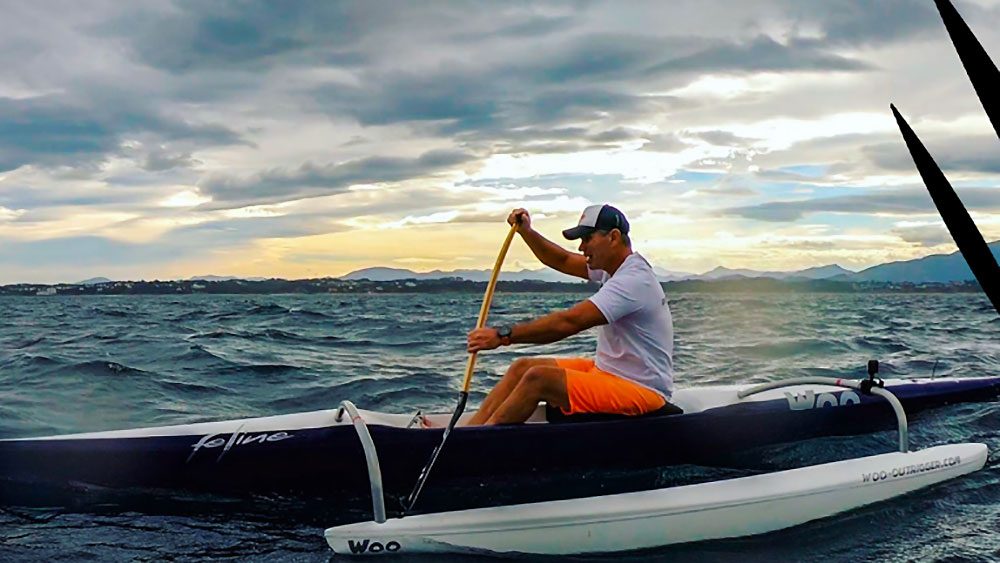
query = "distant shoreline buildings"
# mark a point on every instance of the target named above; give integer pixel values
(459, 285)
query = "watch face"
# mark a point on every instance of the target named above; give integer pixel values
(504, 332)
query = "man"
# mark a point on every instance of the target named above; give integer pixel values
(632, 372)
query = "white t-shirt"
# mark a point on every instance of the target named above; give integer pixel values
(638, 341)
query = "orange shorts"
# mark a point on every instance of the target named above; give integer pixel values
(595, 391)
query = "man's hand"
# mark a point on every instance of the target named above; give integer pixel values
(485, 338)
(522, 216)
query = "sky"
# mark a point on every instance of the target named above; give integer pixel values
(164, 140)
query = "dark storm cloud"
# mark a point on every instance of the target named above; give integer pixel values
(195, 35)
(477, 104)
(57, 131)
(159, 161)
(585, 77)
(596, 76)
(856, 22)
(314, 180)
(495, 114)
(192, 36)
(596, 57)
(464, 99)
(901, 202)
(48, 133)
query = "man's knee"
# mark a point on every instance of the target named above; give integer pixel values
(540, 381)
(521, 365)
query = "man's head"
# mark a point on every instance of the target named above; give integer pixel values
(603, 233)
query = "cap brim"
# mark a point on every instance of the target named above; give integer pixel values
(578, 232)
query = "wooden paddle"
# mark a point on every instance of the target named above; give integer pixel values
(463, 396)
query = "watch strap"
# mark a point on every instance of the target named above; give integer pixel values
(504, 332)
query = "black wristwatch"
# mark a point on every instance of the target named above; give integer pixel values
(504, 333)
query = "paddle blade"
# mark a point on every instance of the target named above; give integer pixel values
(982, 72)
(411, 500)
(961, 226)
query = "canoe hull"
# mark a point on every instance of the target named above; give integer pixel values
(312, 453)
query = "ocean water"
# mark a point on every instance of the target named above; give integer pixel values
(73, 364)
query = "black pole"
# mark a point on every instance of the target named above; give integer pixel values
(961, 226)
(982, 72)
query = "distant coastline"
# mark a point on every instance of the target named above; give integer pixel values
(458, 285)
(937, 273)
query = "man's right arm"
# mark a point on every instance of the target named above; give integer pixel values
(553, 255)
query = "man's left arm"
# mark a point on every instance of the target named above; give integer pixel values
(543, 330)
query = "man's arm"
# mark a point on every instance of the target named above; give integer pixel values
(553, 255)
(548, 252)
(543, 330)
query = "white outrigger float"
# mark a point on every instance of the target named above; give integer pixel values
(648, 519)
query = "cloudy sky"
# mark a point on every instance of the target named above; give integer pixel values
(299, 139)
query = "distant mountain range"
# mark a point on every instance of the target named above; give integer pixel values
(392, 274)
(95, 281)
(818, 273)
(938, 268)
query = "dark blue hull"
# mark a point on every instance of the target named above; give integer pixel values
(329, 462)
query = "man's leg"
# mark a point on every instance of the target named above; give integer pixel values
(539, 383)
(503, 389)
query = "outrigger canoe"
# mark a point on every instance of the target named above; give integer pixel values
(318, 453)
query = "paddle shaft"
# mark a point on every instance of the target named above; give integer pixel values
(463, 396)
(484, 311)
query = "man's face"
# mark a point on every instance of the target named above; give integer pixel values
(596, 247)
